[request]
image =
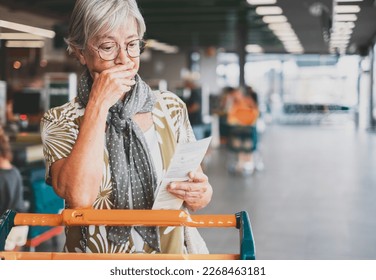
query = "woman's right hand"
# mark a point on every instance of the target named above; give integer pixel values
(77, 177)
(111, 85)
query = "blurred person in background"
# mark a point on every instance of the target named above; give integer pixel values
(242, 116)
(194, 104)
(11, 187)
(225, 103)
(11, 192)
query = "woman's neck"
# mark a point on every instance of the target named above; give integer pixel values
(5, 164)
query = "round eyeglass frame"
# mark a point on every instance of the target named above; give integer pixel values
(142, 48)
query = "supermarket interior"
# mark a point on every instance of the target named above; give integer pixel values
(302, 167)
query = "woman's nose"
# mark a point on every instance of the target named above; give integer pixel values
(123, 56)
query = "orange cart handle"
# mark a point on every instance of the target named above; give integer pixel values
(75, 217)
(78, 217)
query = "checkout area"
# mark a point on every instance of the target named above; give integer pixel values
(26, 109)
(39, 197)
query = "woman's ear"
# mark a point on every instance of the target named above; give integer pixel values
(80, 56)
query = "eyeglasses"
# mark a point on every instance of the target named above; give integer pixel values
(110, 50)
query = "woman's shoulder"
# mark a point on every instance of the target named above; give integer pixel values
(170, 98)
(67, 112)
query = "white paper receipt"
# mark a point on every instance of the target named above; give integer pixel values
(187, 158)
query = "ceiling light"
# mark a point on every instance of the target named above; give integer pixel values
(159, 46)
(19, 36)
(280, 26)
(24, 44)
(288, 32)
(339, 42)
(346, 9)
(17, 64)
(342, 47)
(295, 50)
(27, 28)
(292, 44)
(293, 47)
(343, 28)
(252, 48)
(345, 17)
(339, 37)
(338, 1)
(261, 2)
(171, 50)
(274, 19)
(268, 10)
(342, 31)
(288, 38)
(343, 25)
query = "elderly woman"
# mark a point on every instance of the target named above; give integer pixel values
(109, 147)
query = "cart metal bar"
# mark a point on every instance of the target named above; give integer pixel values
(112, 256)
(247, 243)
(76, 217)
(71, 217)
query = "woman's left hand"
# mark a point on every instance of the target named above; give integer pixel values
(196, 192)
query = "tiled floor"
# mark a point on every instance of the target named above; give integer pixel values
(315, 199)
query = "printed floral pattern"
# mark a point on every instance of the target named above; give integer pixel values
(59, 129)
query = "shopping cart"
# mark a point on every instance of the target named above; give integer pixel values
(82, 217)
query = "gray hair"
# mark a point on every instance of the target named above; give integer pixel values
(90, 17)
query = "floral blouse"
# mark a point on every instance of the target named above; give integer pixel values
(59, 130)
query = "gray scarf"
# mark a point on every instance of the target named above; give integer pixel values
(131, 165)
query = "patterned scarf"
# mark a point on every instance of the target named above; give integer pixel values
(132, 170)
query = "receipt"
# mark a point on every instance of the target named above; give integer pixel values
(187, 158)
